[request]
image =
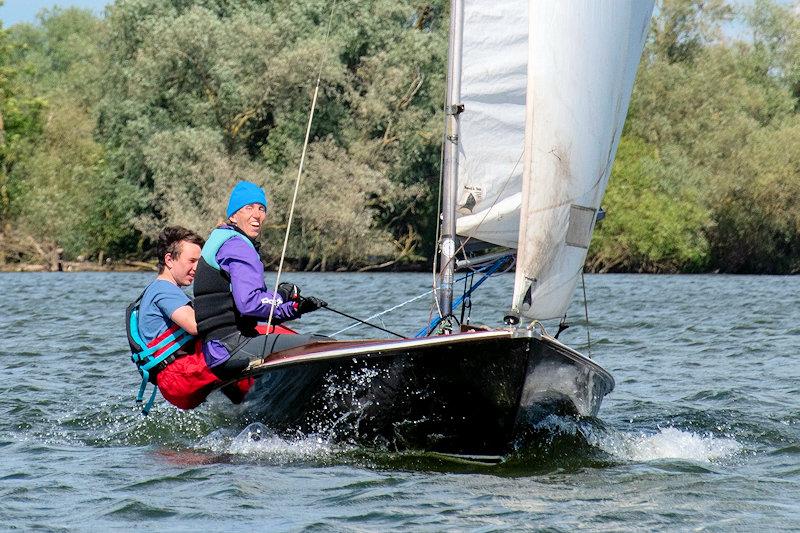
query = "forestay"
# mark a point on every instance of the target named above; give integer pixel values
(583, 63)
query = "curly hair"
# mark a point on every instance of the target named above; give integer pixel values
(169, 242)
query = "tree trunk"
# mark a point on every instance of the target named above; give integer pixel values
(56, 261)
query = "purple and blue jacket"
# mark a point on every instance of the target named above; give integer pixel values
(239, 259)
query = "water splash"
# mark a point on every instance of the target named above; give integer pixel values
(257, 441)
(666, 443)
(669, 443)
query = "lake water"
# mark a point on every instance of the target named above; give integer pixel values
(701, 433)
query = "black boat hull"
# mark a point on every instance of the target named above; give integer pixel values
(468, 394)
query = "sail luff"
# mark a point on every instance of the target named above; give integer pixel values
(512, 317)
(583, 59)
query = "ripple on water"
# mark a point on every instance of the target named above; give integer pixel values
(793, 449)
(138, 511)
(703, 427)
(715, 395)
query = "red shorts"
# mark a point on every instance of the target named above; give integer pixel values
(187, 381)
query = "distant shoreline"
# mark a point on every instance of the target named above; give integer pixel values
(141, 266)
(80, 266)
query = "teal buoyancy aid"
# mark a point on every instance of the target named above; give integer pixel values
(215, 309)
(153, 357)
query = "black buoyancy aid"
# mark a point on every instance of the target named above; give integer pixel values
(152, 357)
(214, 307)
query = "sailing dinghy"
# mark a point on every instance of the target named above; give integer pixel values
(537, 96)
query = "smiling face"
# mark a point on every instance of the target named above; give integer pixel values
(183, 264)
(249, 219)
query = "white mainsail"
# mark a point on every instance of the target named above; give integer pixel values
(545, 85)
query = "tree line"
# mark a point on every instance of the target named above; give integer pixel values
(112, 127)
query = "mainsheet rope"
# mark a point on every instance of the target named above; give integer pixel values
(398, 306)
(302, 164)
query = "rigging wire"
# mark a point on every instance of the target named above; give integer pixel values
(393, 308)
(402, 304)
(466, 303)
(488, 272)
(302, 164)
(586, 312)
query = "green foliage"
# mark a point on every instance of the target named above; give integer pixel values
(114, 127)
(62, 53)
(61, 194)
(329, 234)
(758, 216)
(655, 220)
(682, 28)
(20, 121)
(191, 172)
(674, 105)
(224, 89)
(697, 168)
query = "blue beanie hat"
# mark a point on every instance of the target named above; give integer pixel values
(245, 193)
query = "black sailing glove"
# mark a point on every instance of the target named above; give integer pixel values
(289, 292)
(310, 304)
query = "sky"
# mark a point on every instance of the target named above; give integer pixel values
(13, 11)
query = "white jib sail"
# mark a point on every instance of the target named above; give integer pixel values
(493, 82)
(583, 56)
